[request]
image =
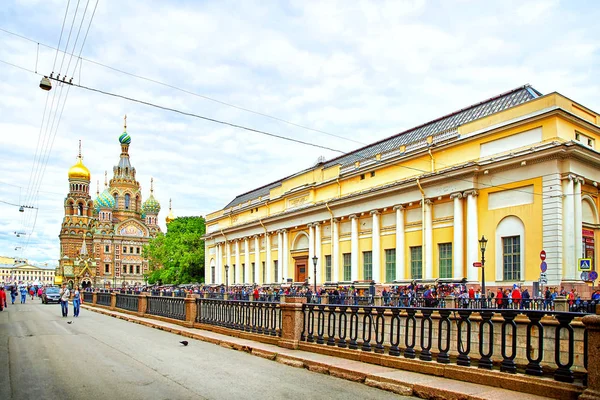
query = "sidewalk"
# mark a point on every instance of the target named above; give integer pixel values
(401, 382)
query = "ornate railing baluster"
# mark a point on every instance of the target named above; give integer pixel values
(463, 348)
(395, 332)
(353, 328)
(320, 324)
(274, 313)
(426, 324)
(485, 360)
(564, 373)
(311, 323)
(331, 325)
(534, 366)
(410, 336)
(444, 340)
(367, 327)
(508, 360)
(342, 327)
(379, 330)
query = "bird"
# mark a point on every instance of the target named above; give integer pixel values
(69, 322)
(184, 342)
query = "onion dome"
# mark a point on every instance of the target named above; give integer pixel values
(105, 200)
(79, 171)
(151, 206)
(170, 217)
(125, 138)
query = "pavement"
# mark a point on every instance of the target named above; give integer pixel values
(43, 356)
(393, 380)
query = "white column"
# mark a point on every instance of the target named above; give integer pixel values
(578, 220)
(218, 264)
(319, 276)
(458, 246)
(248, 278)
(285, 272)
(268, 263)
(472, 236)
(227, 260)
(400, 252)
(258, 277)
(569, 258)
(354, 248)
(335, 259)
(428, 236)
(238, 263)
(311, 253)
(376, 248)
(279, 256)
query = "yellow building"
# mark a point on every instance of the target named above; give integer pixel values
(26, 274)
(519, 168)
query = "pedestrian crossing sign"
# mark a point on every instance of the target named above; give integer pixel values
(585, 264)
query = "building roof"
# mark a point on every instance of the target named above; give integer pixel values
(448, 122)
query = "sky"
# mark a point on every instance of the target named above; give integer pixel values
(338, 74)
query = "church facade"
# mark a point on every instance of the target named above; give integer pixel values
(101, 240)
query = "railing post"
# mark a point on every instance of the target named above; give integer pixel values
(291, 323)
(113, 301)
(325, 298)
(592, 326)
(449, 302)
(190, 310)
(142, 304)
(225, 296)
(94, 298)
(561, 304)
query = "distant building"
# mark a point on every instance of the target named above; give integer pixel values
(521, 168)
(26, 274)
(101, 240)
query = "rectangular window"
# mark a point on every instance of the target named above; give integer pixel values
(264, 273)
(327, 268)
(243, 272)
(107, 249)
(137, 269)
(511, 258)
(137, 250)
(390, 265)
(347, 258)
(107, 268)
(213, 274)
(124, 249)
(445, 250)
(233, 276)
(416, 262)
(131, 249)
(368, 265)
(275, 277)
(131, 269)
(253, 279)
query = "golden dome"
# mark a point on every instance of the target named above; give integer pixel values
(79, 171)
(170, 217)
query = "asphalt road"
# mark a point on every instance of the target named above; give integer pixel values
(100, 357)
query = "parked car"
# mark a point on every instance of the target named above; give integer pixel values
(51, 295)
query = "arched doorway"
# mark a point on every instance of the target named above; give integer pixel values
(86, 283)
(300, 255)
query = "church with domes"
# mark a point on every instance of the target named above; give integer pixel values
(101, 240)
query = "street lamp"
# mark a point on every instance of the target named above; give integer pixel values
(482, 243)
(226, 278)
(315, 260)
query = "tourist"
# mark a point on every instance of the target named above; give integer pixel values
(23, 294)
(76, 302)
(2, 298)
(64, 299)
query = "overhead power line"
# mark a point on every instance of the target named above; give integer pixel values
(188, 91)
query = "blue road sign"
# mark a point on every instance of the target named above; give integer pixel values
(543, 266)
(593, 275)
(585, 276)
(585, 264)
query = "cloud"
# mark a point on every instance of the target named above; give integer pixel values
(363, 70)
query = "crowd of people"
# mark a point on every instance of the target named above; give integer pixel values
(23, 291)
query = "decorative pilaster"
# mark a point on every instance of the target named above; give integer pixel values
(268, 263)
(578, 220)
(279, 255)
(219, 272)
(258, 277)
(376, 247)
(354, 248)
(238, 265)
(311, 252)
(247, 278)
(320, 277)
(227, 256)
(400, 252)
(458, 250)
(472, 236)
(569, 258)
(552, 226)
(285, 270)
(335, 259)
(428, 239)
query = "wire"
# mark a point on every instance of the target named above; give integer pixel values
(10, 204)
(60, 37)
(77, 39)
(190, 92)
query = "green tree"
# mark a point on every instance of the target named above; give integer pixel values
(177, 256)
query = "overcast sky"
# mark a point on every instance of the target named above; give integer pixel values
(359, 70)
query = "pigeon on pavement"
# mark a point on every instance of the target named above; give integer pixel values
(69, 322)
(184, 342)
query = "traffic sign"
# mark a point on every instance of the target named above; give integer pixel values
(477, 264)
(593, 275)
(543, 266)
(585, 264)
(543, 255)
(585, 276)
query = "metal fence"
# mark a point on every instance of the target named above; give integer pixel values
(103, 299)
(170, 307)
(250, 316)
(127, 302)
(88, 297)
(462, 336)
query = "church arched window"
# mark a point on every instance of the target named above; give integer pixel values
(116, 196)
(80, 209)
(127, 201)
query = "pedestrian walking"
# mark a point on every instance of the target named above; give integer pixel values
(76, 302)
(64, 299)
(23, 294)
(2, 298)
(13, 294)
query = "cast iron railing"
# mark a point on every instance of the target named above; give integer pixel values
(127, 302)
(583, 306)
(88, 297)
(484, 337)
(103, 299)
(170, 307)
(215, 295)
(250, 316)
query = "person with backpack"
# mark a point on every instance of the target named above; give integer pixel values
(65, 293)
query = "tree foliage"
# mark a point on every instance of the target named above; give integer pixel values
(177, 256)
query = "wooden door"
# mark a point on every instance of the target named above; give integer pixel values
(301, 271)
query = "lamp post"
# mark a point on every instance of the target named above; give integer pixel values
(315, 260)
(226, 278)
(482, 243)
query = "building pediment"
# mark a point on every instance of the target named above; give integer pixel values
(132, 228)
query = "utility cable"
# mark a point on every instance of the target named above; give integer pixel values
(61, 33)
